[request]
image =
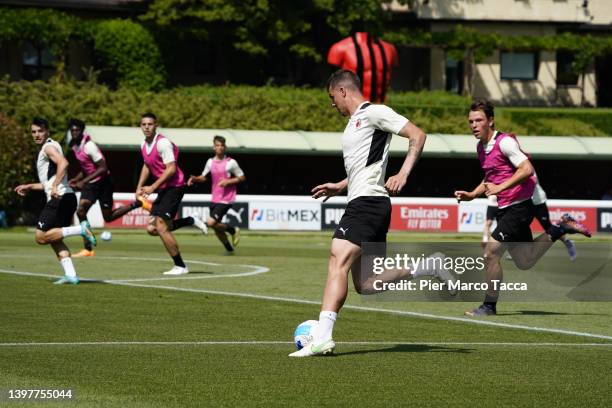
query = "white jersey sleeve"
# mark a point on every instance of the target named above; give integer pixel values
(207, 167)
(234, 169)
(93, 151)
(384, 118)
(165, 151)
(510, 148)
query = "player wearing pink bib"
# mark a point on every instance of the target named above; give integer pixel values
(93, 181)
(510, 176)
(160, 158)
(225, 175)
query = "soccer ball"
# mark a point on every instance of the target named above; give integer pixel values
(106, 235)
(303, 333)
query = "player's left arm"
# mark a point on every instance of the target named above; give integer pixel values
(169, 171)
(238, 174)
(523, 171)
(101, 168)
(416, 141)
(61, 167)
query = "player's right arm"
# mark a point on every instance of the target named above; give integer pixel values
(462, 195)
(23, 189)
(144, 175)
(73, 181)
(202, 177)
(196, 180)
(328, 190)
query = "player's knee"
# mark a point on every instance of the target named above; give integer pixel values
(40, 238)
(81, 212)
(211, 222)
(523, 264)
(107, 215)
(151, 230)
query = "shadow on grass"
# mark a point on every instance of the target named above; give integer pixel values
(409, 348)
(545, 313)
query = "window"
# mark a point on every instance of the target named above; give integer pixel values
(454, 75)
(37, 62)
(565, 75)
(519, 65)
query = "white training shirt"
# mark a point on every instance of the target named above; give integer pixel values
(365, 146)
(46, 169)
(164, 149)
(231, 167)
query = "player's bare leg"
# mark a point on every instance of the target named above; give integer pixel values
(82, 209)
(220, 231)
(343, 255)
(63, 255)
(161, 227)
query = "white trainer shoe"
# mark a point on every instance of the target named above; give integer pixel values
(444, 274)
(177, 270)
(201, 225)
(326, 347)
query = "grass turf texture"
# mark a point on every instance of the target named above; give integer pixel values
(403, 365)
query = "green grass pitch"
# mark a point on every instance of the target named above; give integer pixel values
(221, 335)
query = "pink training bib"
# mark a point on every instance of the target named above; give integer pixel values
(156, 166)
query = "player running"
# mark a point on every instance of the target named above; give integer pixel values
(365, 146)
(509, 175)
(160, 158)
(225, 175)
(56, 217)
(94, 181)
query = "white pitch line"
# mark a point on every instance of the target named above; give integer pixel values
(284, 343)
(353, 307)
(257, 270)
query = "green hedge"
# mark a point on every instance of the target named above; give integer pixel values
(17, 158)
(268, 108)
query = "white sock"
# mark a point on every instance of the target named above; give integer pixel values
(68, 267)
(429, 266)
(70, 231)
(326, 325)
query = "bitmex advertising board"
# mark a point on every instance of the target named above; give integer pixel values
(306, 214)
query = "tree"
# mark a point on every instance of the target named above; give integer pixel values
(304, 29)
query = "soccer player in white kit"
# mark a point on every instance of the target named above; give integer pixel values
(365, 146)
(54, 222)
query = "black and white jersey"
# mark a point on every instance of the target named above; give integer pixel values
(365, 146)
(46, 170)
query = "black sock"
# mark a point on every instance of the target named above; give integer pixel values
(182, 222)
(490, 301)
(228, 246)
(178, 260)
(88, 246)
(555, 232)
(231, 230)
(136, 204)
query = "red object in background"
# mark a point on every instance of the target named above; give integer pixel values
(135, 218)
(586, 215)
(429, 217)
(370, 58)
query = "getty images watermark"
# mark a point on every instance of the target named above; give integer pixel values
(457, 272)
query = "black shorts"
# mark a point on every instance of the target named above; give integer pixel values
(218, 211)
(514, 223)
(167, 202)
(58, 212)
(366, 219)
(492, 212)
(101, 190)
